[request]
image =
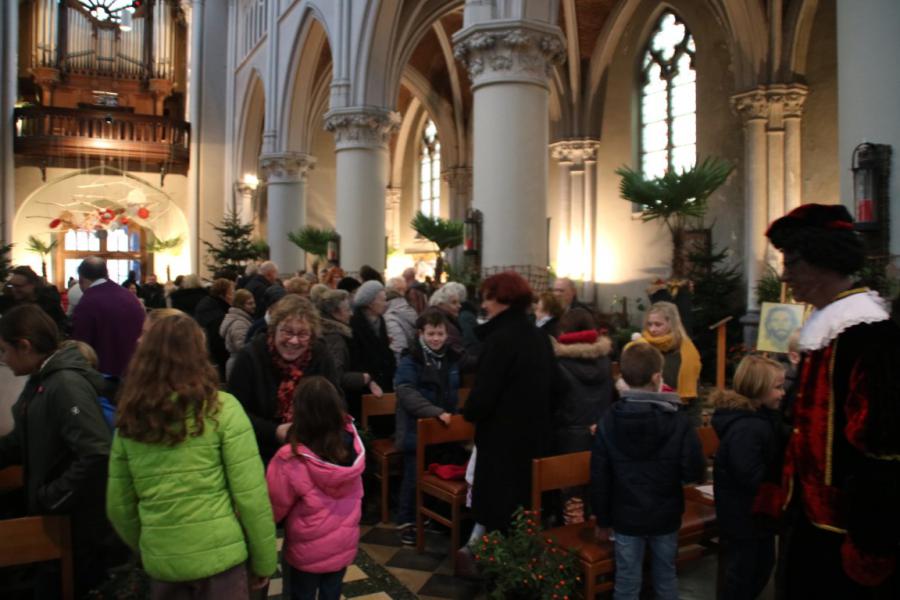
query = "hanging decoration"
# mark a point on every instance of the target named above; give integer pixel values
(101, 211)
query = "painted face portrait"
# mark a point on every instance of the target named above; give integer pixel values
(780, 323)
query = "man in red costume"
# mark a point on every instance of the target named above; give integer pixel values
(841, 469)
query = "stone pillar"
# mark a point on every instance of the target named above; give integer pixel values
(195, 114)
(361, 155)
(459, 183)
(577, 159)
(792, 111)
(393, 219)
(509, 63)
(243, 205)
(9, 44)
(753, 107)
(285, 177)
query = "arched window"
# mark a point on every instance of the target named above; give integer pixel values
(430, 171)
(668, 113)
(123, 248)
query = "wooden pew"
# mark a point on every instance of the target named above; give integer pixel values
(595, 553)
(35, 539)
(383, 452)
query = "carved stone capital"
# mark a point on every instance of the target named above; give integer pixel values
(243, 189)
(392, 197)
(794, 97)
(458, 178)
(752, 105)
(285, 167)
(509, 51)
(361, 127)
(575, 152)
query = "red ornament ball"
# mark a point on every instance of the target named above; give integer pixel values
(143, 212)
(55, 223)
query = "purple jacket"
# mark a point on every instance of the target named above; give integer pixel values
(110, 319)
(322, 503)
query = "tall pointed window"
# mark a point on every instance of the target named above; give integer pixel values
(668, 121)
(430, 171)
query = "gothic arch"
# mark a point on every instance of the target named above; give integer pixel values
(798, 31)
(250, 130)
(304, 81)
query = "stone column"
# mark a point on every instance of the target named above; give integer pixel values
(9, 43)
(459, 183)
(577, 158)
(285, 177)
(794, 97)
(509, 63)
(243, 205)
(753, 107)
(361, 154)
(392, 216)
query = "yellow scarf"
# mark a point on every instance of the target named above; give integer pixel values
(689, 372)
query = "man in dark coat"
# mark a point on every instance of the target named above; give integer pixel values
(257, 285)
(153, 293)
(510, 403)
(210, 313)
(109, 318)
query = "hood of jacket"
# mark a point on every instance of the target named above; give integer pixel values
(334, 480)
(585, 361)
(398, 303)
(724, 418)
(333, 326)
(237, 314)
(644, 421)
(68, 358)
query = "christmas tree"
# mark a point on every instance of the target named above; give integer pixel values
(236, 246)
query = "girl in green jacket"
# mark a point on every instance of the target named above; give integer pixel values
(186, 482)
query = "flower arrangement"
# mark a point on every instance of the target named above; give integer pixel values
(526, 564)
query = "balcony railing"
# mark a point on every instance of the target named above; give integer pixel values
(146, 141)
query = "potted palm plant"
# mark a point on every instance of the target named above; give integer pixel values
(37, 246)
(314, 241)
(678, 199)
(443, 233)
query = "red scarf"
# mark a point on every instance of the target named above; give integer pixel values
(291, 372)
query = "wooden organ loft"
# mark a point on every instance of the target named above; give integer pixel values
(102, 82)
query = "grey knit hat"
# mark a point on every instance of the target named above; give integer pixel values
(366, 293)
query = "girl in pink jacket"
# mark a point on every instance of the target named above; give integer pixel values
(315, 484)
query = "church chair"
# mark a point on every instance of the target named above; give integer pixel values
(452, 492)
(383, 452)
(463, 395)
(11, 479)
(595, 553)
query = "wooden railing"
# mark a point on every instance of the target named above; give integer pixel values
(74, 133)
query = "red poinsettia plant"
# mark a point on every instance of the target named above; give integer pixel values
(527, 564)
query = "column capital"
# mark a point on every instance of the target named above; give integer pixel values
(392, 196)
(285, 167)
(361, 127)
(458, 177)
(794, 97)
(575, 152)
(242, 188)
(509, 51)
(752, 105)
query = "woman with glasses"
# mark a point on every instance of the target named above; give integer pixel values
(267, 370)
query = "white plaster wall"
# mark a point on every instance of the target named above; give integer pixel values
(34, 217)
(820, 168)
(869, 90)
(630, 253)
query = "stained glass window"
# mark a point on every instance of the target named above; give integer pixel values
(668, 111)
(107, 10)
(430, 171)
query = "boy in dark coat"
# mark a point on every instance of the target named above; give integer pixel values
(427, 382)
(644, 451)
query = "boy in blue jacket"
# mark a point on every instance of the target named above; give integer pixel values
(645, 450)
(427, 385)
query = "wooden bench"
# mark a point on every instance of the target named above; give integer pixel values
(453, 492)
(383, 452)
(35, 539)
(596, 553)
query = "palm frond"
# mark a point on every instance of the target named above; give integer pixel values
(443, 233)
(313, 240)
(674, 196)
(160, 245)
(38, 246)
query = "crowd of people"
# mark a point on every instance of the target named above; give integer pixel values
(183, 424)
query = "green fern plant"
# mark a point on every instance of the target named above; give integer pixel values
(443, 233)
(5, 260)
(678, 199)
(165, 246)
(314, 241)
(37, 246)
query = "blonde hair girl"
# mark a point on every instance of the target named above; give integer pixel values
(664, 331)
